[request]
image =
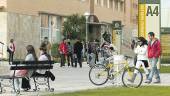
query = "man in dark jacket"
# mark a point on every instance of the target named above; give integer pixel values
(78, 47)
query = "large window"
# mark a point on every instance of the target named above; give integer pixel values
(116, 2)
(44, 26)
(111, 4)
(51, 27)
(98, 2)
(105, 4)
(121, 6)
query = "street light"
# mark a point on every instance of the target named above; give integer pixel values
(86, 14)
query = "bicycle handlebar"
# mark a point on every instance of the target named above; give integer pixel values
(126, 57)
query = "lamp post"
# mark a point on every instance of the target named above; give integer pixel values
(86, 14)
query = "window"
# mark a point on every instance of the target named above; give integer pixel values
(50, 27)
(110, 3)
(116, 4)
(121, 6)
(44, 26)
(105, 3)
(44, 20)
(124, 7)
(98, 2)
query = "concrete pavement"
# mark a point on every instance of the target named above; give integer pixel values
(70, 79)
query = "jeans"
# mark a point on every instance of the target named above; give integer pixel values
(17, 84)
(154, 70)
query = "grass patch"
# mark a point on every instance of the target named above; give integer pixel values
(121, 91)
(165, 69)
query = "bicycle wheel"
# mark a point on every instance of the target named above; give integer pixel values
(98, 74)
(132, 77)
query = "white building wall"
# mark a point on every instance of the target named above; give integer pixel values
(3, 33)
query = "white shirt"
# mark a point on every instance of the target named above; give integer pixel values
(29, 57)
(42, 58)
(141, 52)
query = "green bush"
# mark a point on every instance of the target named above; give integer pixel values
(54, 50)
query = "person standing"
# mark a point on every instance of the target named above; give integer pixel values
(154, 52)
(47, 44)
(142, 59)
(78, 47)
(70, 54)
(11, 50)
(63, 52)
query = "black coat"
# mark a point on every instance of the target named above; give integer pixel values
(78, 47)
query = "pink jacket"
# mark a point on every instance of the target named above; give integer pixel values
(154, 50)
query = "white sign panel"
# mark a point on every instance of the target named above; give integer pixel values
(153, 19)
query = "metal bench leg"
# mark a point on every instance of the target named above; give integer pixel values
(49, 88)
(35, 83)
(0, 88)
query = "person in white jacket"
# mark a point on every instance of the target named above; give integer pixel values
(142, 60)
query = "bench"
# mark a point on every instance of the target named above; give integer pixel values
(30, 65)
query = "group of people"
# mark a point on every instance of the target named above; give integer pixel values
(145, 50)
(148, 51)
(73, 53)
(30, 56)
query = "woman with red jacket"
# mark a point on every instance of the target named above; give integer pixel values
(154, 52)
(63, 52)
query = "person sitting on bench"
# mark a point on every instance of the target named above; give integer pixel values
(31, 56)
(44, 57)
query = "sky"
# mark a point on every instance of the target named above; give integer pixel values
(165, 13)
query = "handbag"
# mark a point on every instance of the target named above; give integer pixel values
(8, 50)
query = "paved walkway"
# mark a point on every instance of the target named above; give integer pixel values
(70, 79)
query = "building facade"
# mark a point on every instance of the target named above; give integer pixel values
(29, 21)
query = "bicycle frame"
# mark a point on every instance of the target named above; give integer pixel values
(110, 66)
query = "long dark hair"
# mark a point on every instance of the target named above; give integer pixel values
(31, 50)
(143, 40)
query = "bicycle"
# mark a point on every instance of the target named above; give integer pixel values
(99, 74)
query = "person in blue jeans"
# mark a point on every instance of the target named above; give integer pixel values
(154, 52)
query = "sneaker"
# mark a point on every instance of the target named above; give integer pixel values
(158, 81)
(147, 81)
